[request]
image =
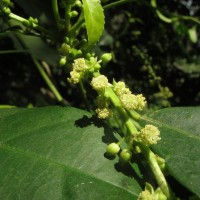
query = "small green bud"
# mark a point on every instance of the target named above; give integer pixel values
(161, 163)
(66, 39)
(158, 194)
(64, 49)
(6, 10)
(78, 3)
(26, 23)
(97, 66)
(75, 53)
(126, 155)
(73, 13)
(112, 149)
(62, 61)
(106, 57)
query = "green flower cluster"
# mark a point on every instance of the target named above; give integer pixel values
(79, 67)
(148, 135)
(129, 100)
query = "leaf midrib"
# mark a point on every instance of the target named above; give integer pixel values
(145, 118)
(33, 155)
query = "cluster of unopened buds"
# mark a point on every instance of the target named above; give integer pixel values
(150, 194)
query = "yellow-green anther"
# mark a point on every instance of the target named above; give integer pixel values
(103, 113)
(120, 88)
(141, 101)
(129, 101)
(75, 77)
(149, 135)
(99, 83)
(79, 65)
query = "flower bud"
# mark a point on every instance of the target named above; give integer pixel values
(112, 149)
(62, 61)
(106, 57)
(158, 194)
(73, 13)
(6, 11)
(126, 155)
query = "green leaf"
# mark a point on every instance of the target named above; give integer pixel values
(58, 153)
(180, 143)
(94, 18)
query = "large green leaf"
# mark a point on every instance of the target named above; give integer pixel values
(180, 143)
(58, 153)
(94, 18)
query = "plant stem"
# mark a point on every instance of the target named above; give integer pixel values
(13, 51)
(67, 16)
(136, 116)
(109, 93)
(35, 26)
(56, 13)
(47, 80)
(148, 154)
(160, 178)
(76, 26)
(84, 94)
(118, 3)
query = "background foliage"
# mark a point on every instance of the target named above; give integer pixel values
(147, 52)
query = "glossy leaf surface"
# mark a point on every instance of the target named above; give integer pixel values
(58, 153)
(94, 18)
(180, 143)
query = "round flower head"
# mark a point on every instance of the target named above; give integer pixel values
(75, 77)
(99, 83)
(129, 101)
(141, 101)
(149, 135)
(103, 113)
(79, 65)
(120, 88)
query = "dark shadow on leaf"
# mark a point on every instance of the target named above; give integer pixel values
(87, 121)
(126, 169)
(108, 138)
(109, 157)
